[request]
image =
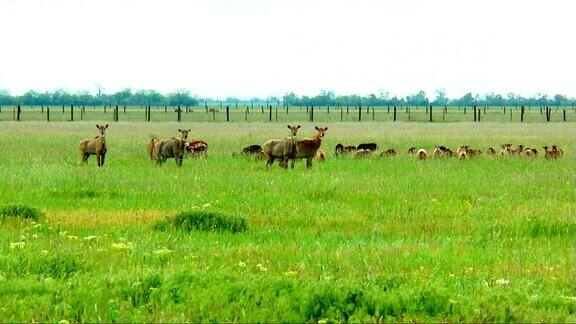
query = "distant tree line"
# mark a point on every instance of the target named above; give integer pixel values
(183, 97)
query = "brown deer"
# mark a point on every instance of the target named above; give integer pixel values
(441, 150)
(308, 147)
(94, 146)
(422, 154)
(553, 152)
(344, 150)
(491, 151)
(282, 149)
(411, 150)
(321, 156)
(506, 150)
(389, 152)
(160, 151)
(367, 146)
(197, 148)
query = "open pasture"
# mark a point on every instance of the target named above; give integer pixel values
(398, 239)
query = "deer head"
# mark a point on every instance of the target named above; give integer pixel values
(184, 133)
(321, 130)
(102, 128)
(293, 130)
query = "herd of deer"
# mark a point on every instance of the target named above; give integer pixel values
(291, 149)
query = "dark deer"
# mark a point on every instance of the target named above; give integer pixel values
(94, 146)
(172, 148)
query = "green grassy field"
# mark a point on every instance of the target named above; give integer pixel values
(259, 114)
(378, 239)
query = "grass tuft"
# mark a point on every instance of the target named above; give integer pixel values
(203, 221)
(20, 211)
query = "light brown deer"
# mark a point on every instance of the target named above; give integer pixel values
(321, 156)
(172, 148)
(282, 149)
(308, 147)
(94, 146)
(422, 154)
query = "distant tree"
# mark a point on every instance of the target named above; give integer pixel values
(441, 99)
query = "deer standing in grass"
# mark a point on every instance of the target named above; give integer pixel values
(172, 148)
(94, 146)
(308, 147)
(282, 149)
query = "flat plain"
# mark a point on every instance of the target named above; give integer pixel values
(375, 239)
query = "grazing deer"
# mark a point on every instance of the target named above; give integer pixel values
(362, 153)
(473, 152)
(389, 152)
(344, 150)
(282, 149)
(422, 154)
(321, 156)
(491, 151)
(553, 152)
(441, 151)
(308, 147)
(506, 149)
(172, 148)
(367, 146)
(530, 152)
(94, 146)
(411, 150)
(462, 155)
(518, 150)
(252, 149)
(197, 147)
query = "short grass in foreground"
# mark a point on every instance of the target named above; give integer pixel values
(397, 239)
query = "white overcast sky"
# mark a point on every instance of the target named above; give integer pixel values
(248, 48)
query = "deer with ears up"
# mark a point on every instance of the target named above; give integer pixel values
(172, 148)
(308, 147)
(282, 149)
(94, 146)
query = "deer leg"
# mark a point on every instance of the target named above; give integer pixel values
(102, 156)
(308, 162)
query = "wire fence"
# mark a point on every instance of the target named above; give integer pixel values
(235, 113)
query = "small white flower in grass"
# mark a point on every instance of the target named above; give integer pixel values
(63, 321)
(17, 245)
(162, 251)
(207, 205)
(502, 282)
(121, 246)
(90, 237)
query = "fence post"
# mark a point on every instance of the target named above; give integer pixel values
(347, 109)
(48, 113)
(71, 113)
(276, 111)
(388, 109)
(104, 109)
(341, 114)
(547, 114)
(286, 109)
(540, 110)
(522, 114)
(409, 114)
(430, 109)
(479, 114)
(62, 108)
(179, 115)
(359, 113)
(246, 114)
(372, 113)
(564, 114)
(82, 113)
(124, 109)
(464, 110)
(328, 110)
(394, 114)
(227, 113)
(311, 113)
(18, 110)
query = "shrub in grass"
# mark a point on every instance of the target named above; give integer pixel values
(20, 211)
(203, 221)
